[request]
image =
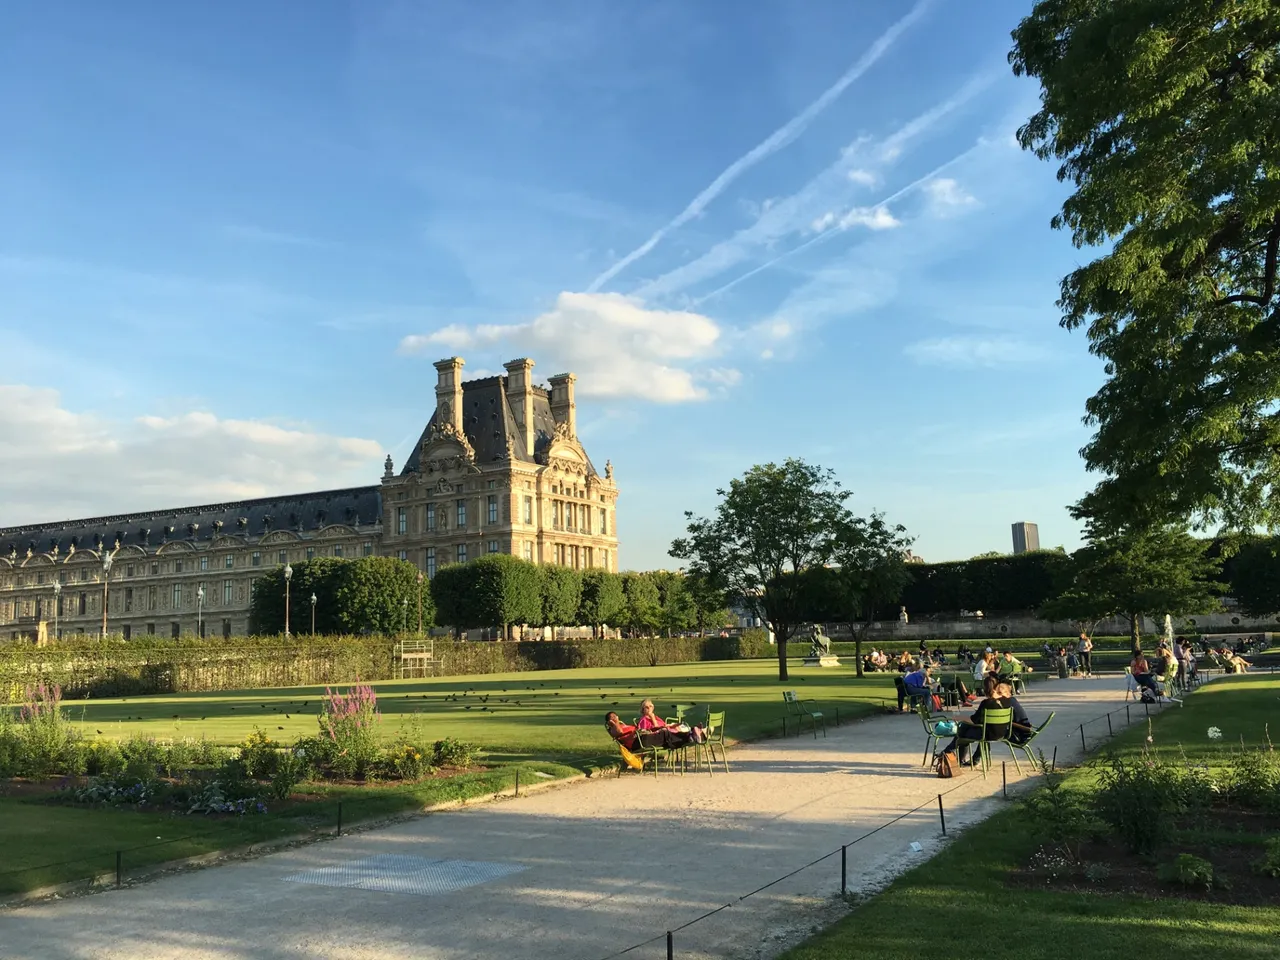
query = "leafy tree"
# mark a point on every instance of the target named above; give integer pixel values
(1254, 576)
(871, 571)
(1132, 573)
(676, 611)
(561, 595)
(773, 522)
(602, 599)
(710, 606)
(1165, 118)
(380, 595)
(490, 590)
(453, 592)
(643, 603)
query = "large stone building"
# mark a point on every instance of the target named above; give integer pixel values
(498, 469)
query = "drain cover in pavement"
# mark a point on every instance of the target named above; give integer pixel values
(389, 873)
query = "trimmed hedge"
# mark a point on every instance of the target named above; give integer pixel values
(112, 668)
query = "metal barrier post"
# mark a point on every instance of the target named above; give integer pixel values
(119, 868)
(844, 886)
(1082, 743)
(339, 833)
(942, 815)
(1110, 730)
(517, 781)
(1004, 778)
(1053, 766)
(671, 950)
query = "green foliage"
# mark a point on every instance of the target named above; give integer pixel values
(1187, 870)
(771, 525)
(1164, 119)
(1252, 779)
(1061, 820)
(451, 753)
(1138, 797)
(1004, 582)
(561, 595)
(602, 600)
(290, 770)
(362, 595)
(259, 755)
(496, 589)
(1269, 864)
(1136, 572)
(1253, 574)
(348, 721)
(643, 610)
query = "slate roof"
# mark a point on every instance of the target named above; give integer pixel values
(488, 421)
(299, 512)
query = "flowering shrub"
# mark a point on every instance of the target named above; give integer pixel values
(259, 755)
(291, 769)
(347, 720)
(452, 753)
(43, 731)
(405, 761)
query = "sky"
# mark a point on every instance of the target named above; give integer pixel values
(235, 236)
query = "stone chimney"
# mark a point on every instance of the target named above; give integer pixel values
(520, 399)
(449, 393)
(563, 408)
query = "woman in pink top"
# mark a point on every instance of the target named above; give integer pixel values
(649, 720)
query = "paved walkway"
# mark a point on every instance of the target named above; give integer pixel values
(601, 865)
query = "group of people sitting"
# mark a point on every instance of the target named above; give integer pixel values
(997, 695)
(1074, 659)
(650, 730)
(920, 682)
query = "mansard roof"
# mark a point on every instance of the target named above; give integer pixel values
(488, 422)
(353, 506)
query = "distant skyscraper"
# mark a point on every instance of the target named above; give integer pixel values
(1026, 537)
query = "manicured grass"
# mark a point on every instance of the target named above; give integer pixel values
(553, 713)
(44, 843)
(961, 897)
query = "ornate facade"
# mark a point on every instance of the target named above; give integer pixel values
(498, 469)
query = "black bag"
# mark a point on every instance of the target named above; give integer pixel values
(1148, 696)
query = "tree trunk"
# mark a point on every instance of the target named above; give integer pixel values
(783, 676)
(857, 646)
(1135, 638)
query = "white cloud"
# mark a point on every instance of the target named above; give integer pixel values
(61, 463)
(946, 195)
(873, 218)
(776, 141)
(865, 178)
(973, 352)
(616, 345)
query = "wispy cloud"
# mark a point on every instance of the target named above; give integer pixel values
(946, 195)
(974, 351)
(616, 345)
(776, 141)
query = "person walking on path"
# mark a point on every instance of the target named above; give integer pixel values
(1085, 649)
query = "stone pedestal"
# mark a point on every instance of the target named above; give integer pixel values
(826, 660)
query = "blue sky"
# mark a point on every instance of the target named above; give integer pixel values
(233, 238)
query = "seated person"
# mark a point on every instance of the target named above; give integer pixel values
(1021, 722)
(957, 684)
(939, 656)
(972, 729)
(633, 738)
(915, 684)
(1010, 665)
(1142, 673)
(649, 721)
(1236, 663)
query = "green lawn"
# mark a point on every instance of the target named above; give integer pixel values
(556, 713)
(960, 895)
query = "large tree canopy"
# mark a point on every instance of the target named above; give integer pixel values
(1166, 119)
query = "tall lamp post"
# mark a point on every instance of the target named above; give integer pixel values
(420, 579)
(404, 604)
(288, 575)
(57, 602)
(199, 610)
(106, 574)
(313, 614)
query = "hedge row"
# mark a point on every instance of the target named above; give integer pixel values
(148, 665)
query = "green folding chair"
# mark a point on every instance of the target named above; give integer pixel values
(715, 738)
(931, 721)
(1025, 746)
(990, 718)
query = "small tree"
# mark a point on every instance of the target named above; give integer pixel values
(453, 590)
(602, 600)
(505, 590)
(710, 606)
(643, 603)
(561, 594)
(774, 522)
(380, 595)
(1136, 572)
(676, 608)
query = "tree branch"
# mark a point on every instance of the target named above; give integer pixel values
(1268, 272)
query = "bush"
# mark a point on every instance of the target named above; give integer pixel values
(259, 755)
(405, 761)
(1269, 865)
(348, 720)
(1138, 798)
(104, 759)
(1253, 779)
(43, 732)
(451, 753)
(1187, 870)
(141, 752)
(290, 771)
(1060, 820)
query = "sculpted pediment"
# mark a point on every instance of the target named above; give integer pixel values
(226, 543)
(280, 536)
(177, 546)
(335, 530)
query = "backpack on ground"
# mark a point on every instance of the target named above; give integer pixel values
(948, 765)
(1148, 696)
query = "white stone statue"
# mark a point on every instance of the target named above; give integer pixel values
(902, 615)
(1168, 629)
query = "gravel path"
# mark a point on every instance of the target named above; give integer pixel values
(600, 865)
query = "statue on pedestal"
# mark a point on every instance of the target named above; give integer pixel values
(821, 643)
(902, 615)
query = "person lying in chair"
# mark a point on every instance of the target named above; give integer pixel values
(633, 738)
(650, 721)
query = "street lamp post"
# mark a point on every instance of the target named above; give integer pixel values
(199, 610)
(404, 604)
(106, 574)
(288, 575)
(57, 602)
(313, 614)
(420, 579)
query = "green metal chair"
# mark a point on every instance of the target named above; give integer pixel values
(930, 721)
(990, 718)
(715, 738)
(1025, 746)
(800, 710)
(656, 754)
